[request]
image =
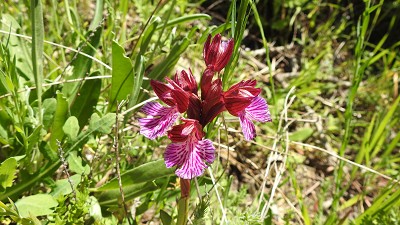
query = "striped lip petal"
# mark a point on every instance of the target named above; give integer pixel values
(159, 119)
(189, 157)
(258, 111)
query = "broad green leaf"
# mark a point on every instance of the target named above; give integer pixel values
(60, 117)
(75, 164)
(36, 205)
(143, 173)
(37, 49)
(301, 134)
(71, 127)
(63, 187)
(81, 65)
(49, 108)
(7, 171)
(86, 101)
(122, 76)
(113, 197)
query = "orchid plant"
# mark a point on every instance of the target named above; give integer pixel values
(189, 150)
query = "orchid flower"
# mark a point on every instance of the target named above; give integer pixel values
(243, 100)
(189, 151)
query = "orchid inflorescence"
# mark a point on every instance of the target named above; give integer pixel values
(190, 150)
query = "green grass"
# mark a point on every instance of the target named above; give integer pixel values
(329, 71)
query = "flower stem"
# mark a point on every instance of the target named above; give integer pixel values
(183, 203)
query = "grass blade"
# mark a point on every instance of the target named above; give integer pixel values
(37, 49)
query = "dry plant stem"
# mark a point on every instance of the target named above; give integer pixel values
(116, 149)
(60, 46)
(65, 168)
(223, 219)
(274, 154)
(348, 161)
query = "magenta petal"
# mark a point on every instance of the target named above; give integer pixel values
(158, 121)
(248, 128)
(258, 110)
(189, 157)
(207, 150)
(152, 108)
(174, 154)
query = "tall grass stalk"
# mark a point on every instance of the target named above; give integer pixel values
(359, 68)
(37, 50)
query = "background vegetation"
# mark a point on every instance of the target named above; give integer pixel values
(73, 75)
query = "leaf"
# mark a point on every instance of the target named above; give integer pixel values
(143, 173)
(71, 127)
(63, 187)
(139, 72)
(122, 76)
(102, 125)
(60, 117)
(75, 164)
(94, 208)
(113, 197)
(7, 171)
(186, 18)
(36, 205)
(86, 101)
(49, 108)
(301, 134)
(166, 219)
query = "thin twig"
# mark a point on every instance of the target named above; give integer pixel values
(65, 168)
(61, 46)
(116, 149)
(348, 161)
(223, 219)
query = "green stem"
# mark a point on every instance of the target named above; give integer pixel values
(183, 205)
